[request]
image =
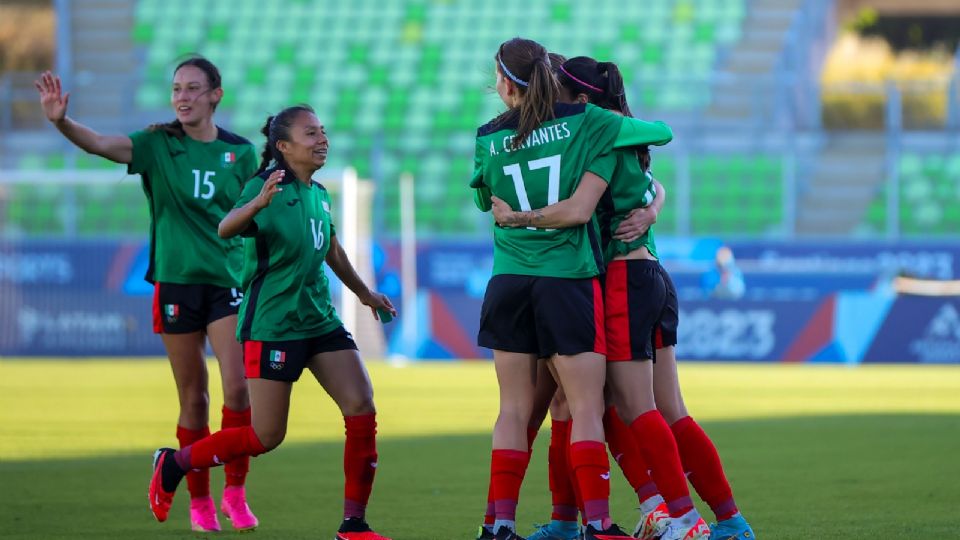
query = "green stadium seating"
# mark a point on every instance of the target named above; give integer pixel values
(416, 75)
(929, 196)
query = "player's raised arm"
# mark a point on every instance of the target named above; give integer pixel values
(117, 148)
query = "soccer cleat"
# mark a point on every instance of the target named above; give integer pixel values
(689, 526)
(485, 533)
(504, 533)
(356, 528)
(653, 524)
(203, 515)
(613, 532)
(557, 530)
(735, 528)
(234, 506)
(160, 500)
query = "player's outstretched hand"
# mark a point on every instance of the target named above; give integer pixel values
(270, 188)
(52, 99)
(502, 213)
(378, 301)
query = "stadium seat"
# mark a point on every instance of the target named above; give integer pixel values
(416, 76)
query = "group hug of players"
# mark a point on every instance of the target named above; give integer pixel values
(580, 315)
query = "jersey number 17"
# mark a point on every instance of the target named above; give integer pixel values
(553, 180)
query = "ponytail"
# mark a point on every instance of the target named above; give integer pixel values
(614, 92)
(538, 101)
(527, 64)
(173, 129)
(266, 156)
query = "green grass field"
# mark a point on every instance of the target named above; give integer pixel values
(812, 452)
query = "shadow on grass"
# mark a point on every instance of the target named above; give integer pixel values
(863, 476)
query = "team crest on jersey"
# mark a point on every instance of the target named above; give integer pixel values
(278, 359)
(172, 312)
(326, 206)
(229, 158)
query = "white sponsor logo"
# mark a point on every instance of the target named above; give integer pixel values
(941, 340)
(605, 476)
(729, 333)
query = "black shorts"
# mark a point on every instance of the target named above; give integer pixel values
(182, 309)
(285, 360)
(641, 310)
(542, 315)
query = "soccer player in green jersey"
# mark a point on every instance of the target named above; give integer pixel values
(641, 315)
(287, 320)
(192, 171)
(544, 299)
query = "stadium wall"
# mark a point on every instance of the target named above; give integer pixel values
(805, 302)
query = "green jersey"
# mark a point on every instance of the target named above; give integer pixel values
(630, 187)
(286, 292)
(190, 186)
(545, 169)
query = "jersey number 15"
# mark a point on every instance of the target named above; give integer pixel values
(553, 180)
(207, 184)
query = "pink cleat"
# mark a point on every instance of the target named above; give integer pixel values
(234, 506)
(203, 515)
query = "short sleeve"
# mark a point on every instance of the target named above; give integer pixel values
(144, 147)
(476, 181)
(250, 191)
(604, 166)
(481, 197)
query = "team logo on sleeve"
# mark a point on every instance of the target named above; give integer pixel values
(229, 158)
(278, 359)
(172, 312)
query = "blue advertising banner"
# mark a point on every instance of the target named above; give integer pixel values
(922, 329)
(741, 330)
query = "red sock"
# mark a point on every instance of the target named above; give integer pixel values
(627, 455)
(592, 470)
(221, 447)
(572, 478)
(198, 482)
(561, 487)
(655, 440)
(701, 460)
(359, 463)
(507, 468)
(490, 516)
(235, 472)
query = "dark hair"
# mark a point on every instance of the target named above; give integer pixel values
(556, 60)
(525, 62)
(175, 128)
(600, 81)
(603, 85)
(277, 128)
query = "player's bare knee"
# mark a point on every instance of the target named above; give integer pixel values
(236, 397)
(271, 438)
(360, 404)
